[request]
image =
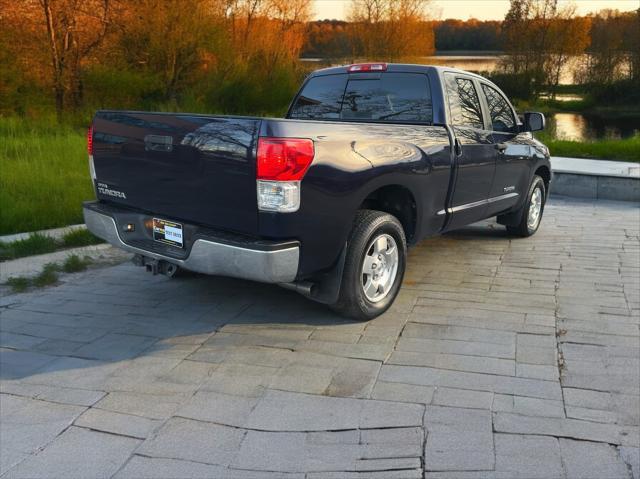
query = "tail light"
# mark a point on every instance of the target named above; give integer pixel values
(92, 167)
(281, 165)
(90, 140)
(367, 67)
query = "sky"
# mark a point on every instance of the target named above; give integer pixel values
(465, 9)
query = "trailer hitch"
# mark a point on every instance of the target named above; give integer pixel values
(155, 266)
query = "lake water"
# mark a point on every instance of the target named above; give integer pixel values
(569, 126)
(581, 127)
(489, 63)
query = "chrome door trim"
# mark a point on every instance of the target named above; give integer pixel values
(475, 204)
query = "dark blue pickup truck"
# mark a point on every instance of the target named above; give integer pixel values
(370, 158)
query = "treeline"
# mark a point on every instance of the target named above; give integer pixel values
(79, 55)
(541, 37)
(227, 56)
(242, 56)
(471, 35)
(333, 38)
(380, 29)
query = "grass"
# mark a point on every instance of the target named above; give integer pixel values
(80, 237)
(19, 284)
(38, 243)
(49, 274)
(620, 150)
(44, 176)
(75, 264)
(34, 244)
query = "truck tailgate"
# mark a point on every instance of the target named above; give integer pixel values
(194, 168)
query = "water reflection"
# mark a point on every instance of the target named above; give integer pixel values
(564, 97)
(579, 127)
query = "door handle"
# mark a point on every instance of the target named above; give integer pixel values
(501, 147)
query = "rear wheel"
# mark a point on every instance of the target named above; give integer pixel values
(531, 213)
(374, 266)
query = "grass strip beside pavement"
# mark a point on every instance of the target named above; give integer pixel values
(38, 243)
(49, 274)
(627, 149)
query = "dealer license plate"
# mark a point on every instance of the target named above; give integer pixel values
(167, 232)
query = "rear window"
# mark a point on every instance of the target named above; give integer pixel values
(392, 97)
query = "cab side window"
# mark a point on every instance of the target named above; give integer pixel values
(502, 119)
(464, 104)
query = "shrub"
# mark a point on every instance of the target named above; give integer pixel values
(621, 92)
(514, 85)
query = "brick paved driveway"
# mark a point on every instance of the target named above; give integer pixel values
(501, 358)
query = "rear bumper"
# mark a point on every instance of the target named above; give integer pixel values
(267, 262)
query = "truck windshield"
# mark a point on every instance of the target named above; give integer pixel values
(389, 97)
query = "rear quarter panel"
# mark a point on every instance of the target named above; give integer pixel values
(351, 161)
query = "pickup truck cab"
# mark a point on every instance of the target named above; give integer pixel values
(369, 159)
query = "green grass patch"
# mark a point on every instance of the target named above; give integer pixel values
(48, 276)
(19, 284)
(34, 244)
(619, 150)
(80, 237)
(75, 264)
(44, 175)
(38, 243)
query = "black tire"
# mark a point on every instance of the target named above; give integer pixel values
(523, 228)
(352, 300)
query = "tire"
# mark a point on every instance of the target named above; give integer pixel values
(528, 225)
(368, 289)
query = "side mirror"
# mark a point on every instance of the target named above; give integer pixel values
(533, 121)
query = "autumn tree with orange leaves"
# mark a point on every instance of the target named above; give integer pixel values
(390, 29)
(156, 48)
(60, 33)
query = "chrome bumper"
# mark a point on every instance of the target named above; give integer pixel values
(209, 257)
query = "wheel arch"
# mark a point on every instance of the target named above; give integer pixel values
(396, 200)
(544, 172)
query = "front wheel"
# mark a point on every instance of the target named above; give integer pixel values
(374, 266)
(531, 213)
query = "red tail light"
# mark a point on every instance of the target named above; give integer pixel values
(367, 67)
(90, 140)
(284, 159)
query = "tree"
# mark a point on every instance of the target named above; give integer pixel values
(568, 38)
(635, 47)
(613, 47)
(539, 37)
(73, 29)
(327, 39)
(168, 39)
(390, 29)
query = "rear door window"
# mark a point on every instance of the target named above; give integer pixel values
(464, 104)
(502, 118)
(388, 97)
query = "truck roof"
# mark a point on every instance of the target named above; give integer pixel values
(396, 67)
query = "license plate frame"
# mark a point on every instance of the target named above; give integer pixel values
(168, 232)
